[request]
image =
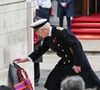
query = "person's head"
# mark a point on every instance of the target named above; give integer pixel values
(41, 27)
(73, 83)
(92, 89)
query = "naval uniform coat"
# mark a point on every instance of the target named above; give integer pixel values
(67, 46)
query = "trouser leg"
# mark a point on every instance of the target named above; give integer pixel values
(36, 72)
(68, 23)
(61, 21)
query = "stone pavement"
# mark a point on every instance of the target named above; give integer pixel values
(50, 60)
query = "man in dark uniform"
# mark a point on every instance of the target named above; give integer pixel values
(73, 59)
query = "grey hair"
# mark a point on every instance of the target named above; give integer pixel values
(73, 83)
(46, 25)
(91, 88)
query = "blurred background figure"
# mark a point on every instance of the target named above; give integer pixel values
(51, 11)
(65, 8)
(73, 83)
(43, 8)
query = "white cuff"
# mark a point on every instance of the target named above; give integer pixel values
(29, 59)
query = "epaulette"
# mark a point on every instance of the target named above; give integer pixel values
(59, 28)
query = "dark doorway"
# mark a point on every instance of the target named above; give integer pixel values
(91, 7)
(86, 7)
(77, 7)
(98, 6)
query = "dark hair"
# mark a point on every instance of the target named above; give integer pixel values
(36, 18)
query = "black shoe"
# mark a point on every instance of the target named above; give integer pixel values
(36, 84)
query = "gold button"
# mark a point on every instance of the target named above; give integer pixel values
(58, 44)
(62, 50)
(65, 55)
(64, 62)
(68, 61)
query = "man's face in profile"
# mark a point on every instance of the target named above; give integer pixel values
(42, 32)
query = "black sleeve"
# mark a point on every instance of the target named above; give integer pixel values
(40, 51)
